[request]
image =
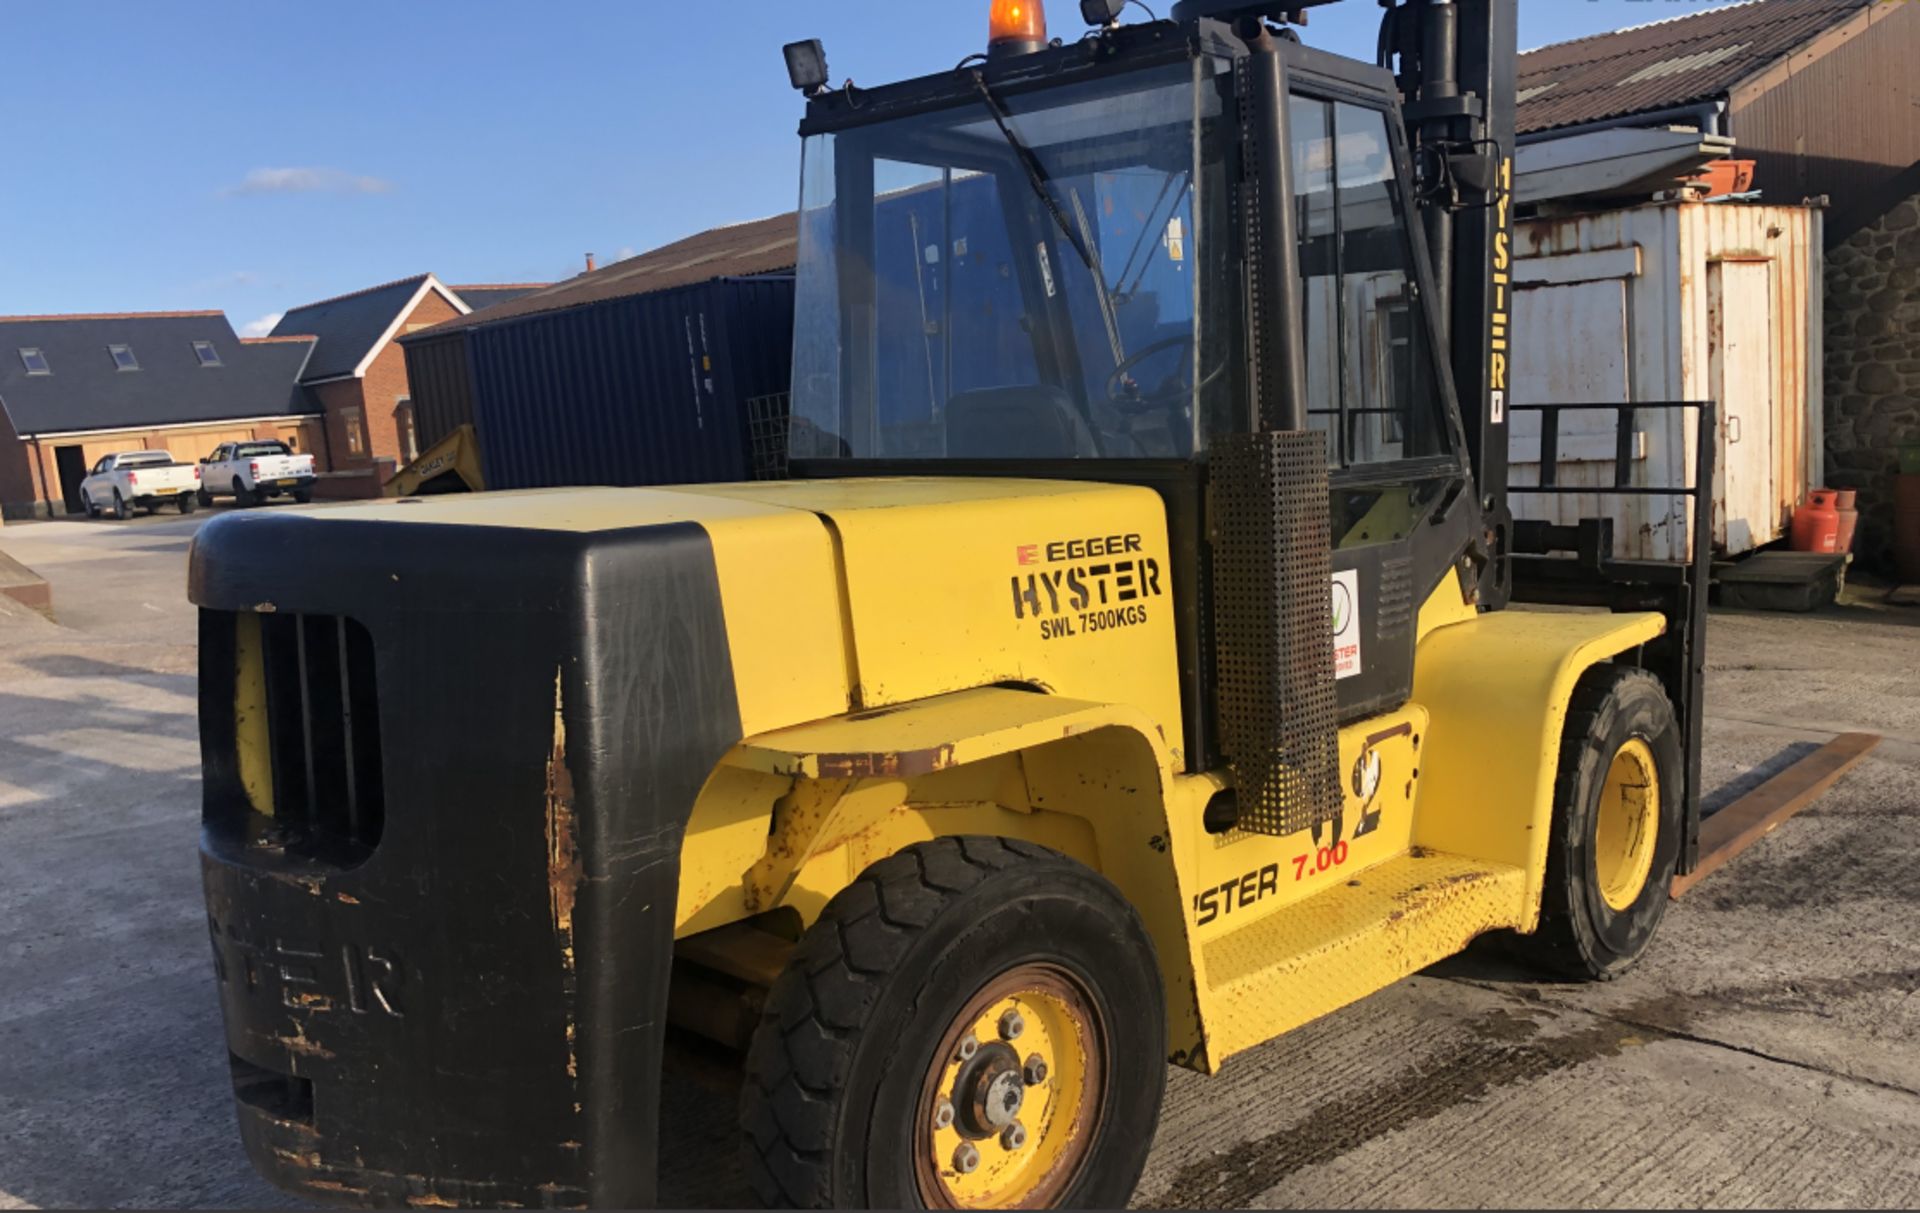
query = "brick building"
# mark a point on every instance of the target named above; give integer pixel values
(74, 388)
(358, 375)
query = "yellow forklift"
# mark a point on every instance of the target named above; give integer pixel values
(1126, 675)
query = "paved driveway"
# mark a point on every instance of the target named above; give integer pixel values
(1767, 1053)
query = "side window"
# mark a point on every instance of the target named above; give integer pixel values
(1370, 381)
(101, 467)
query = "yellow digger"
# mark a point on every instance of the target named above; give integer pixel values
(451, 465)
(1126, 676)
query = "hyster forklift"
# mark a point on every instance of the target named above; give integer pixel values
(1124, 675)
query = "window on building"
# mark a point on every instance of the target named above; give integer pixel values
(403, 421)
(204, 351)
(354, 424)
(123, 357)
(35, 361)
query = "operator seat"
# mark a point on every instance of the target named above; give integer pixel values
(1032, 421)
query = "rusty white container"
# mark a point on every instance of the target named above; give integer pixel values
(1672, 301)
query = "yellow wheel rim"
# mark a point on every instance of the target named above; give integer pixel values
(1007, 1108)
(1627, 825)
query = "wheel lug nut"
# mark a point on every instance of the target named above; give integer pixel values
(966, 1158)
(968, 1047)
(1013, 1136)
(1035, 1071)
(943, 1114)
(1011, 1025)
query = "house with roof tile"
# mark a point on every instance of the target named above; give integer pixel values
(76, 387)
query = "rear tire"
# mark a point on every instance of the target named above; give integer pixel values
(205, 499)
(121, 510)
(187, 502)
(93, 511)
(241, 497)
(859, 1046)
(303, 496)
(1607, 882)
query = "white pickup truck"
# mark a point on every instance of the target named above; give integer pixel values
(251, 472)
(146, 480)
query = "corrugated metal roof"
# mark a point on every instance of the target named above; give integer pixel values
(495, 293)
(743, 250)
(1663, 64)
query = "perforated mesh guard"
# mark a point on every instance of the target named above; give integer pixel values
(1272, 610)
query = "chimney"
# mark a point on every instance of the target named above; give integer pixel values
(589, 263)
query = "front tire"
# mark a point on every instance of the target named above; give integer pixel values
(861, 1090)
(1617, 821)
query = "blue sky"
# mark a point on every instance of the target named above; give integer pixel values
(255, 156)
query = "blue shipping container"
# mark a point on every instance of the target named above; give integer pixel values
(649, 389)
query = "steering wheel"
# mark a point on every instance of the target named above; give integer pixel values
(1123, 392)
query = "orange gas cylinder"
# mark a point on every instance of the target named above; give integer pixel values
(1816, 525)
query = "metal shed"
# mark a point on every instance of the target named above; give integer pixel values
(591, 356)
(1663, 302)
(648, 389)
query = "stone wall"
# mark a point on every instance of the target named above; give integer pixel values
(1873, 367)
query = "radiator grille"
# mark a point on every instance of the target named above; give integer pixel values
(1272, 579)
(323, 727)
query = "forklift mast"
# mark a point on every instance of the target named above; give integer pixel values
(1457, 74)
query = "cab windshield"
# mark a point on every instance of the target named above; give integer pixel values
(1020, 277)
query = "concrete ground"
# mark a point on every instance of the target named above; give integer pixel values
(1766, 1053)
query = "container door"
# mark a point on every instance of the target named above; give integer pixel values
(1570, 347)
(1740, 297)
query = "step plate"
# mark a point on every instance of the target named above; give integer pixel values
(1338, 947)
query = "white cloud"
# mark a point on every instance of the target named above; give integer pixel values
(306, 181)
(262, 326)
(627, 252)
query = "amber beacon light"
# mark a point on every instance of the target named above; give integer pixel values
(1016, 27)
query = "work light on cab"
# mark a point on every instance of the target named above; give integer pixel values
(1016, 27)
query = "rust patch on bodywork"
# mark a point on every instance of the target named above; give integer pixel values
(885, 764)
(299, 1044)
(564, 872)
(563, 855)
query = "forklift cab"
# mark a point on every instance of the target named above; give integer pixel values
(1082, 263)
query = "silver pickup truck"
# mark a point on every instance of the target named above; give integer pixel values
(251, 472)
(145, 480)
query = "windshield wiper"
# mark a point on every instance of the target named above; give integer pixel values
(1036, 175)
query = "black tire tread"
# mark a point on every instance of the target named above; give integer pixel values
(1555, 946)
(822, 1001)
